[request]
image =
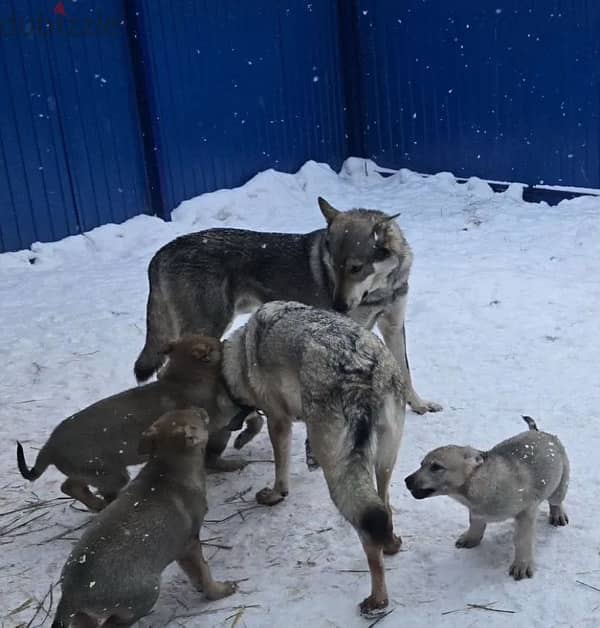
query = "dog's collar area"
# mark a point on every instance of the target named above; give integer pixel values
(237, 421)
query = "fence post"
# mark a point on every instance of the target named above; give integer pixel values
(141, 75)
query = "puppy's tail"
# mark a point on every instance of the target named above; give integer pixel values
(62, 619)
(41, 463)
(159, 330)
(530, 422)
(254, 425)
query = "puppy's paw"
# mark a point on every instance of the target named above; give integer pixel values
(465, 541)
(269, 496)
(558, 517)
(221, 589)
(372, 607)
(521, 569)
(393, 545)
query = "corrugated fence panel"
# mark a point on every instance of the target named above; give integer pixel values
(35, 196)
(70, 142)
(240, 87)
(506, 90)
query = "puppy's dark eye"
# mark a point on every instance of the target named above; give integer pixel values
(355, 269)
(435, 467)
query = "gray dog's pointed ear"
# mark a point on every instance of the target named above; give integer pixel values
(147, 443)
(328, 211)
(381, 226)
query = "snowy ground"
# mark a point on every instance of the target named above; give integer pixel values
(503, 320)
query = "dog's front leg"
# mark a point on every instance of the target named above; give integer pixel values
(522, 566)
(391, 325)
(198, 571)
(280, 433)
(378, 600)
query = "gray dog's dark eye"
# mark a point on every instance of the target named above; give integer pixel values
(434, 466)
(355, 269)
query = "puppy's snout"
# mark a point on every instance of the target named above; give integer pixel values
(409, 480)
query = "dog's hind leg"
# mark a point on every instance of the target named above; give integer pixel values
(349, 476)
(558, 516)
(378, 600)
(81, 492)
(280, 432)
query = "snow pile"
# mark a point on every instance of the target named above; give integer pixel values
(502, 321)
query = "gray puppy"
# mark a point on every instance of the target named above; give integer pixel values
(95, 446)
(509, 481)
(113, 573)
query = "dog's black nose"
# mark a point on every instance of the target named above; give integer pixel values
(340, 306)
(409, 480)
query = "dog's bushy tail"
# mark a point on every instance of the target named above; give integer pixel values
(159, 330)
(531, 424)
(353, 490)
(42, 462)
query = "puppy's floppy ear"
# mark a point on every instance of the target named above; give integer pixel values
(380, 228)
(328, 211)
(473, 459)
(148, 441)
(203, 351)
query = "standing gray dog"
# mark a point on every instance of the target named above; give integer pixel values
(292, 361)
(113, 573)
(359, 265)
(509, 481)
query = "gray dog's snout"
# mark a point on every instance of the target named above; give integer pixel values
(409, 480)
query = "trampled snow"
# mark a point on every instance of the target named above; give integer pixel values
(503, 320)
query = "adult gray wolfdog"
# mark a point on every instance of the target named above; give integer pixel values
(359, 265)
(292, 360)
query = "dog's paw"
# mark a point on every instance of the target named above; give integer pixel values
(372, 607)
(420, 406)
(465, 541)
(221, 589)
(269, 496)
(558, 517)
(521, 569)
(393, 545)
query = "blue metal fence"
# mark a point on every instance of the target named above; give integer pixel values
(110, 108)
(505, 90)
(70, 140)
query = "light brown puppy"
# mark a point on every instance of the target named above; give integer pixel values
(95, 446)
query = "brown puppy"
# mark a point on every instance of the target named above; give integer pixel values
(95, 446)
(113, 573)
